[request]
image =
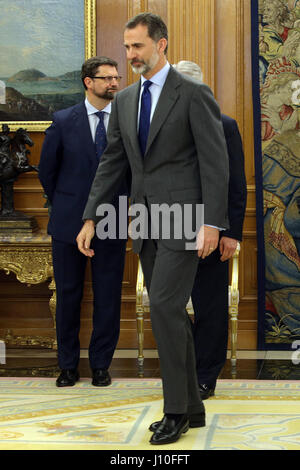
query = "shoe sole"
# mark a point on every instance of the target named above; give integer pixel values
(205, 396)
(66, 385)
(197, 424)
(101, 385)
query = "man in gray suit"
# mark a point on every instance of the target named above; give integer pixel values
(167, 129)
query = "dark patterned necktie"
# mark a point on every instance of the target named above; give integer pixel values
(100, 136)
(145, 112)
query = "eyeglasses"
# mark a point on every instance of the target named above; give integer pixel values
(109, 78)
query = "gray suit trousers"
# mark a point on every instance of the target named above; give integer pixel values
(169, 277)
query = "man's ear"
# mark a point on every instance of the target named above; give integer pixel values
(162, 44)
(87, 81)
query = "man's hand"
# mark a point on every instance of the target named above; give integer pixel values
(227, 248)
(84, 238)
(207, 240)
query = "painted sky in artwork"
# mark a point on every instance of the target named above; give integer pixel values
(47, 35)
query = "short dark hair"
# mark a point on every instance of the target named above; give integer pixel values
(156, 27)
(90, 66)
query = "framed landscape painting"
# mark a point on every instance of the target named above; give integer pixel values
(43, 44)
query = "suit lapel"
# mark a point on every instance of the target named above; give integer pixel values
(168, 97)
(82, 127)
(132, 109)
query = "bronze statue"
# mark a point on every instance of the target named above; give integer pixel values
(4, 147)
(13, 162)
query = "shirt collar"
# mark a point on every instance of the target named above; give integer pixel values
(92, 110)
(160, 77)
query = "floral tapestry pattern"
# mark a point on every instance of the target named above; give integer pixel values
(279, 84)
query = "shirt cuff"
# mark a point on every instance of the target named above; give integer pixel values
(213, 226)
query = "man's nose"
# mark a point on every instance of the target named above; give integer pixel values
(130, 53)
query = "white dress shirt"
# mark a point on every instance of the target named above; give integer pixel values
(93, 119)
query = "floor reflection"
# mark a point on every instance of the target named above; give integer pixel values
(32, 363)
(277, 369)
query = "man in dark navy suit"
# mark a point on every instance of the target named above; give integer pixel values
(70, 155)
(210, 291)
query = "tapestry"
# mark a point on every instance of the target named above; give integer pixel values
(276, 105)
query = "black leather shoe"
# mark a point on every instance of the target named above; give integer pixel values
(196, 420)
(170, 430)
(101, 378)
(206, 391)
(67, 378)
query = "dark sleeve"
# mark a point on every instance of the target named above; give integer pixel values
(207, 129)
(237, 196)
(50, 160)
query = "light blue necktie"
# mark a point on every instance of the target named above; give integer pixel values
(100, 136)
(145, 112)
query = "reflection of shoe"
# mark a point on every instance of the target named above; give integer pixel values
(170, 430)
(101, 378)
(67, 378)
(206, 391)
(196, 420)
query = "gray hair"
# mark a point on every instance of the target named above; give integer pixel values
(189, 68)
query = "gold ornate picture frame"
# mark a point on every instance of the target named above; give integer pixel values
(18, 100)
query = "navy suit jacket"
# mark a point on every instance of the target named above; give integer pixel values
(67, 168)
(237, 196)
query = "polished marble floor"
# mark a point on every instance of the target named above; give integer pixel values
(259, 365)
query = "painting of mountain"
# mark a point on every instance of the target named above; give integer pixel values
(42, 50)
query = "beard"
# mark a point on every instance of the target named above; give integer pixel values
(141, 69)
(107, 95)
(145, 67)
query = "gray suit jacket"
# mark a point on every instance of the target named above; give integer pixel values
(186, 158)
